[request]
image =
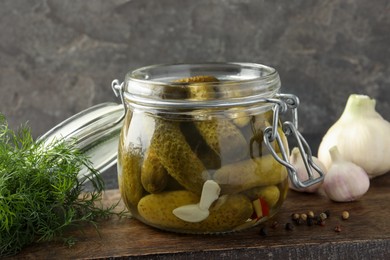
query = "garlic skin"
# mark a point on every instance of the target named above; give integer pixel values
(345, 181)
(297, 161)
(361, 135)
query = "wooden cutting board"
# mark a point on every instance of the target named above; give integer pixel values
(366, 234)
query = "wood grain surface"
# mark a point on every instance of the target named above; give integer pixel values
(365, 235)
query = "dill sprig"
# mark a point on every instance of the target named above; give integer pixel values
(40, 194)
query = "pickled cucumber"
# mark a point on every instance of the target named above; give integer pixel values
(224, 138)
(177, 157)
(239, 116)
(210, 159)
(226, 213)
(130, 185)
(219, 133)
(250, 173)
(196, 89)
(270, 194)
(154, 177)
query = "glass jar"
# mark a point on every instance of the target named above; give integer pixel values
(202, 148)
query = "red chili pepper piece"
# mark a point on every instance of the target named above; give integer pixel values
(264, 207)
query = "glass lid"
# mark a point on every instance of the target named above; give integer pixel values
(96, 131)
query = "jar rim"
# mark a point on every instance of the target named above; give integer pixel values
(236, 84)
(141, 74)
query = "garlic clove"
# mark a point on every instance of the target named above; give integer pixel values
(200, 211)
(210, 193)
(344, 181)
(297, 161)
(191, 213)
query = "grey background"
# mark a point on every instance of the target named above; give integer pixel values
(59, 57)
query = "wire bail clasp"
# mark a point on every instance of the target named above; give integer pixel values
(283, 104)
(118, 90)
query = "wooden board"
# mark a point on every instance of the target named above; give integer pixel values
(365, 235)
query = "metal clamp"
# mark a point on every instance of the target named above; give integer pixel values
(292, 103)
(118, 91)
(291, 129)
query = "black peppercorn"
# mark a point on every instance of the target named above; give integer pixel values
(264, 231)
(275, 224)
(310, 222)
(321, 223)
(289, 226)
(317, 219)
(298, 221)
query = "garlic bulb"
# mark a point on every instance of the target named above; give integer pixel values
(297, 161)
(344, 181)
(361, 135)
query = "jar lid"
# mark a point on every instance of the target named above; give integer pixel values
(96, 132)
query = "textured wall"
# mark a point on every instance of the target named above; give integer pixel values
(59, 57)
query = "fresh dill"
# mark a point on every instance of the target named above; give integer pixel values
(40, 194)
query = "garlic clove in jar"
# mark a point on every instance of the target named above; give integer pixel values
(344, 181)
(191, 213)
(210, 193)
(200, 211)
(297, 161)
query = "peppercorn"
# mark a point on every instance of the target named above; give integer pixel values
(317, 219)
(303, 216)
(274, 225)
(310, 221)
(264, 231)
(295, 216)
(345, 215)
(337, 229)
(323, 216)
(327, 212)
(321, 223)
(298, 221)
(310, 214)
(289, 226)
